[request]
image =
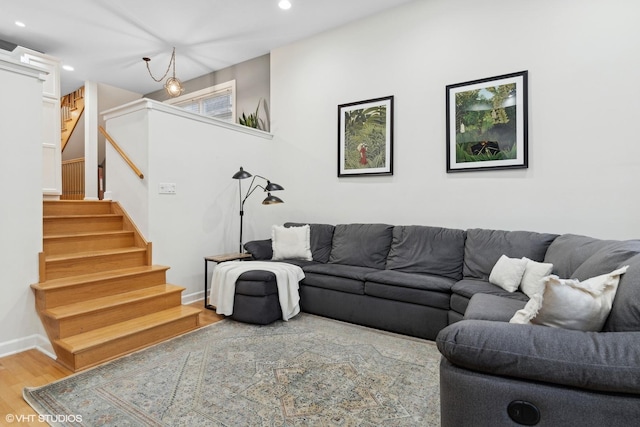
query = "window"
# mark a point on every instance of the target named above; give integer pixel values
(216, 101)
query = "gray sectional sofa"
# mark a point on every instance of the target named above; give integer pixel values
(432, 283)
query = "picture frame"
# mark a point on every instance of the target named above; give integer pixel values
(487, 123)
(365, 137)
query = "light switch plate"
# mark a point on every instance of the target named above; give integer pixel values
(167, 188)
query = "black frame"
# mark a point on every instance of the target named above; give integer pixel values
(485, 154)
(345, 167)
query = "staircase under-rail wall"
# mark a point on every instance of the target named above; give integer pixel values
(99, 296)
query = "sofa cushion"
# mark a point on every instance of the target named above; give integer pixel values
(409, 280)
(483, 248)
(260, 250)
(364, 245)
(625, 313)
(321, 237)
(569, 251)
(470, 287)
(492, 307)
(607, 259)
(339, 270)
(427, 250)
(465, 289)
(422, 289)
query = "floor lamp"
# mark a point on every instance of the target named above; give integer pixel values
(269, 200)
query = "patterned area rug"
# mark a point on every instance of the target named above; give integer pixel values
(309, 371)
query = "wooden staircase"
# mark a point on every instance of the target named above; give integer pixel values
(99, 296)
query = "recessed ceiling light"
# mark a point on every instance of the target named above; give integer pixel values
(20, 24)
(284, 4)
(67, 67)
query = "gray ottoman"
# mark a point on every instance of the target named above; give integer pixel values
(256, 298)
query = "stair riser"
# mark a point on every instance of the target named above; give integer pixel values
(72, 244)
(112, 349)
(112, 315)
(94, 264)
(52, 208)
(53, 226)
(98, 289)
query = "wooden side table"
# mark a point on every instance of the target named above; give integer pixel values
(218, 259)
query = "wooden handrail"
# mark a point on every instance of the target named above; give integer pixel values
(122, 153)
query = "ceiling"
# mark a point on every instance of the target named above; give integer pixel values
(105, 40)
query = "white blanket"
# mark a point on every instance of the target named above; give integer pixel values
(223, 284)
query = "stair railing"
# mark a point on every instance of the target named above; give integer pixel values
(122, 153)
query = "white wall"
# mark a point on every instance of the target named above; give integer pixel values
(199, 155)
(21, 206)
(584, 101)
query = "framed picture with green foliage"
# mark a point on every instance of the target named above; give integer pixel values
(365, 137)
(487, 124)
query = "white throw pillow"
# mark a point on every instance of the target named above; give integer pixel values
(534, 273)
(507, 273)
(291, 242)
(571, 304)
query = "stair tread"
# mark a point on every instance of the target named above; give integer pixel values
(94, 253)
(87, 234)
(95, 277)
(80, 216)
(102, 303)
(96, 337)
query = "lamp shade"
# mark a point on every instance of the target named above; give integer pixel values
(272, 186)
(271, 200)
(241, 174)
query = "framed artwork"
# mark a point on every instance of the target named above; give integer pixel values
(487, 124)
(365, 137)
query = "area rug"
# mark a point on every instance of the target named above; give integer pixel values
(309, 371)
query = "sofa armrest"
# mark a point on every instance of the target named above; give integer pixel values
(603, 361)
(260, 250)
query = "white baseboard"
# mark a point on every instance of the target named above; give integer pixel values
(196, 296)
(19, 345)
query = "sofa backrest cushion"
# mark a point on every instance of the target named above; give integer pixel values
(427, 250)
(483, 248)
(321, 238)
(365, 245)
(607, 259)
(625, 312)
(570, 251)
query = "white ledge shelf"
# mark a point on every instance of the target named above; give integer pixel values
(149, 104)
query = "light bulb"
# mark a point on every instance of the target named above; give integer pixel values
(284, 4)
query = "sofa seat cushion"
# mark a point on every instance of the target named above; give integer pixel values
(427, 250)
(470, 287)
(483, 248)
(427, 282)
(364, 245)
(492, 307)
(344, 278)
(465, 289)
(427, 290)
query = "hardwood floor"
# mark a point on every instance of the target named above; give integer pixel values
(33, 368)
